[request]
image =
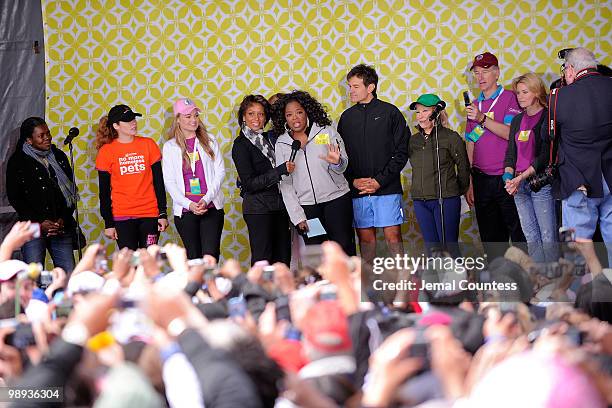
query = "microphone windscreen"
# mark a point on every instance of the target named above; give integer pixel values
(296, 145)
(73, 131)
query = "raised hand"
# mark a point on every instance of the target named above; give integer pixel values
(333, 154)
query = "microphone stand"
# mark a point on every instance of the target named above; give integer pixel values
(76, 201)
(440, 199)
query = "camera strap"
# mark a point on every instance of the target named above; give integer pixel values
(552, 124)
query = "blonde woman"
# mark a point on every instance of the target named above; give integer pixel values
(527, 154)
(454, 172)
(193, 173)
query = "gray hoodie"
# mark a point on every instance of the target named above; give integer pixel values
(314, 180)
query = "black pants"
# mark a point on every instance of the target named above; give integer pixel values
(137, 233)
(337, 219)
(201, 234)
(496, 213)
(269, 237)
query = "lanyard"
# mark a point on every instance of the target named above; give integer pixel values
(492, 105)
(192, 156)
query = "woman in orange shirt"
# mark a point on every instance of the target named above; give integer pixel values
(132, 193)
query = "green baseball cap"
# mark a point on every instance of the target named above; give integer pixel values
(425, 100)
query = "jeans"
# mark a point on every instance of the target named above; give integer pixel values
(537, 215)
(428, 216)
(59, 246)
(582, 213)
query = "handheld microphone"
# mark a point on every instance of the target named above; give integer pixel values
(466, 98)
(72, 133)
(439, 107)
(295, 146)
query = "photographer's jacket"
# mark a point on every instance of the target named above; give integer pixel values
(584, 124)
(314, 180)
(376, 140)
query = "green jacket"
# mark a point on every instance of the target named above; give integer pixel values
(454, 164)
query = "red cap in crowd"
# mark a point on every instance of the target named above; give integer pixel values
(326, 327)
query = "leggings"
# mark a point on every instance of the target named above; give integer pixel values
(137, 233)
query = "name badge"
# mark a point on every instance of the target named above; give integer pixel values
(194, 186)
(523, 135)
(322, 139)
(475, 134)
(193, 156)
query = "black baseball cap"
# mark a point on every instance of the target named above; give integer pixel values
(121, 113)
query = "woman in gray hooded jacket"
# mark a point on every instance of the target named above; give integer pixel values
(317, 187)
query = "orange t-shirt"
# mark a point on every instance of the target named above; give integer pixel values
(129, 164)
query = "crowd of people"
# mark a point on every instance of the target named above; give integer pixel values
(176, 326)
(157, 329)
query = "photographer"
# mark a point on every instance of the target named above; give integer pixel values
(526, 159)
(583, 117)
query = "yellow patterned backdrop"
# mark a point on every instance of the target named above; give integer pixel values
(148, 53)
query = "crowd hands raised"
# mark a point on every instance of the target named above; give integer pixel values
(157, 329)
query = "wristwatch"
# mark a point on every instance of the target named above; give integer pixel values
(484, 119)
(75, 333)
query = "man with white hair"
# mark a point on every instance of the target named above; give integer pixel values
(583, 115)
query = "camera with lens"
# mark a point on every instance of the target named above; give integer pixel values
(540, 180)
(45, 279)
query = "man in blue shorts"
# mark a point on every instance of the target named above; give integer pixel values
(376, 140)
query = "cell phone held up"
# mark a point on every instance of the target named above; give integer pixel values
(34, 228)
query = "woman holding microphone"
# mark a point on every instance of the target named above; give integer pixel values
(454, 170)
(317, 187)
(262, 204)
(193, 173)
(132, 194)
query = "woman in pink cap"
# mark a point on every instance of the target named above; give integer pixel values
(193, 173)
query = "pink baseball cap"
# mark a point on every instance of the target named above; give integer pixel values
(10, 268)
(185, 106)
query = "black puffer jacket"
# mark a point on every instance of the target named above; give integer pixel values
(33, 191)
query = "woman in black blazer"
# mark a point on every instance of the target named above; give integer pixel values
(262, 204)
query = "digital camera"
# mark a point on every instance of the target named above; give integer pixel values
(540, 180)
